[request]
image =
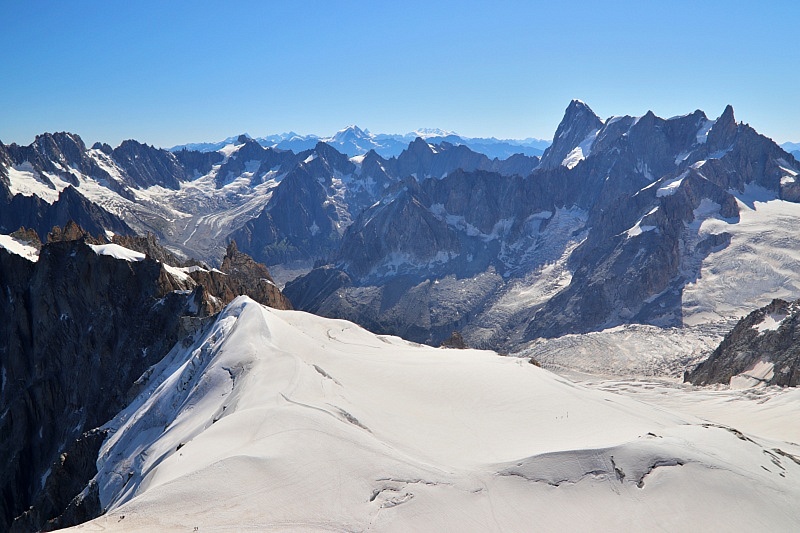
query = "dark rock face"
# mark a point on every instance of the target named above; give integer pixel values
(405, 226)
(79, 329)
(147, 166)
(34, 213)
(308, 292)
(299, 222)
(770, 335)
(198, 163)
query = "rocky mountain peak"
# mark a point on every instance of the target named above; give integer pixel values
(723, 131)
(330, 154)
(69, 144)
(147, 166)
(246, 276)
(103, 147)
(70, 232)
(579, 121)
(349, 133)
(419, 145)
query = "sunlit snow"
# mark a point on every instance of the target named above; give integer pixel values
(283, 420)
(771, 322)
(19, 248)
(669, 187)
(117, 252)
(761, 262)
(580, 152)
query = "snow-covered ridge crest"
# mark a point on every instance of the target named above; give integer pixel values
(278, 419)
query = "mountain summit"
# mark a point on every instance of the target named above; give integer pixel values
(574, 136)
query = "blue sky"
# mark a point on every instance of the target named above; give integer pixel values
(172, 72)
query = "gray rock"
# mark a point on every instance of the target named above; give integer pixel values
(747, 345)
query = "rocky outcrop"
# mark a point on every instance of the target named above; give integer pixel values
(455, 340)
(146, 165)
(240, 274)
(150, 246)
(764, 347)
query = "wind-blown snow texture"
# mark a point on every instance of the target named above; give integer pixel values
(282, 420)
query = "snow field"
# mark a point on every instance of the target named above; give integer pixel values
(19, 248)
(280, 420)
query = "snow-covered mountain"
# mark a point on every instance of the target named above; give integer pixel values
(353, 141)
(275, 419)
(195, 200)
(625, 220)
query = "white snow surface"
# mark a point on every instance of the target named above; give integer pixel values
(757, 374)
(669, 187)
(771, 322)
(702, 133)
(762, 261)
(580, 152)
(26, 181)
(19, 248)
(117, 252)
(281, 420)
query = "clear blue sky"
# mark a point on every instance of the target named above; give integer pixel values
(169, 72)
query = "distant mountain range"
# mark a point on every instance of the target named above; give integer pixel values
(793, 148)
(618, 222)
(354, 141)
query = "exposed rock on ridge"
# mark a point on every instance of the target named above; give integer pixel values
(764, 347)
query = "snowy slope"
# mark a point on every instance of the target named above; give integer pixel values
(278, 420)
(760, 264)
(631, 350)
(18, 247)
